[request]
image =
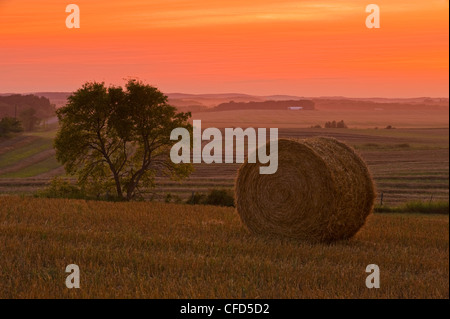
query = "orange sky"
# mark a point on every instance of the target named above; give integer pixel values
(309, 48)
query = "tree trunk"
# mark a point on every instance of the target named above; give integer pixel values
(118, 187)
(130, 190)
(134, 182)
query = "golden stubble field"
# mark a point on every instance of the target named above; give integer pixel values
(157, 250)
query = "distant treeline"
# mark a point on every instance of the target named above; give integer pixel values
(360, 105)
(9, 126)
(266, 105)
(193, 108)
(29, 109)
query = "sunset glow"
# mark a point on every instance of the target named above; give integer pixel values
(307, 48)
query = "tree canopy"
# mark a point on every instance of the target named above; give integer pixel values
(116, 138)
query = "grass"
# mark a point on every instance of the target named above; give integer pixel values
(26, 151)
(157, 250)
(418, 207)
(35, 169)
(51, 133)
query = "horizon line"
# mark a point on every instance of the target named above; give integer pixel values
(254, 95)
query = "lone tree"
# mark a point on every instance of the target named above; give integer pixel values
(119, 138)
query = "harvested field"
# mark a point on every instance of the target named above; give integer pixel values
(157, 250)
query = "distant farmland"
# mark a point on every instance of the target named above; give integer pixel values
(407, 164)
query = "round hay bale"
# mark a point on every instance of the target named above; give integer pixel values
(322, 191)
